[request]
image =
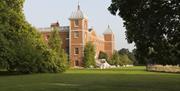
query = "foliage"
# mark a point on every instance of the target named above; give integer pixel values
(55, 43)
(125, 60)
(21, 47)
(4, 49)
(89, 55)
(139, 59)
(115, 59)
(130, 55)
(123, 51)
(120, 59)
(154, 27)
(102, 55)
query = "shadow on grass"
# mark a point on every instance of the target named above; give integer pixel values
(110, 69)
(12, 73)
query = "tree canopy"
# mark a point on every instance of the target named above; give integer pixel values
(121, 58)
(21, 46)
(154, 27)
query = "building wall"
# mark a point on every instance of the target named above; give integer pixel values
(76, 42)
(109, 45)
(99, 46)
(97, 41)
(70, 41)
(64, 35)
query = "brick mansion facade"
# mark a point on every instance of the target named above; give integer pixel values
(77, 34)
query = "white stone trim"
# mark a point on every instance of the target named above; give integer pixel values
(83, 40)
(78, 44)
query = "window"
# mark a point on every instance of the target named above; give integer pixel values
(85, 25)
(76, 51)
(76, 34)
(67, 50)
(76, 63)
(76, 22)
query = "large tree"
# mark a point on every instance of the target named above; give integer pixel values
(154, 27)
(12, 26)
(21, 46)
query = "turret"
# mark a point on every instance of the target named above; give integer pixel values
(109, 43)
(78, 29)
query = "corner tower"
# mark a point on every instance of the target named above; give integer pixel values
(78, 29)
(109, 42)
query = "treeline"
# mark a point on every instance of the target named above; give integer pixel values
(121, 57)
(22, 48)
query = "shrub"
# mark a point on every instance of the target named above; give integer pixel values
(120, 59)
(166, 68)
(89, 55)
(102, 55)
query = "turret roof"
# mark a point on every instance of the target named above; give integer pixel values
(108, 30)
(78, 14)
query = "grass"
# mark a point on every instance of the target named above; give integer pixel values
(122, 79)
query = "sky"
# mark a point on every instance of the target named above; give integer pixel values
(41, 13)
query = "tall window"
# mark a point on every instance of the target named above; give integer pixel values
(76, 22)
(77, 63)
(76, 51)
(76, 34)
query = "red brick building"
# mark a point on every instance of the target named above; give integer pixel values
(77, 34)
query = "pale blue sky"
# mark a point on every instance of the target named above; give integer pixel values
(41, 13)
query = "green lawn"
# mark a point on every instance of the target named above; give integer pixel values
(122, 79)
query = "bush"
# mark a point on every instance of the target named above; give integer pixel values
(120, 59)
(89, 55)
(55, 43)
(102, 55)
(124, 60)
(161, 68)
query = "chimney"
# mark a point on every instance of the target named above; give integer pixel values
(55, 24)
